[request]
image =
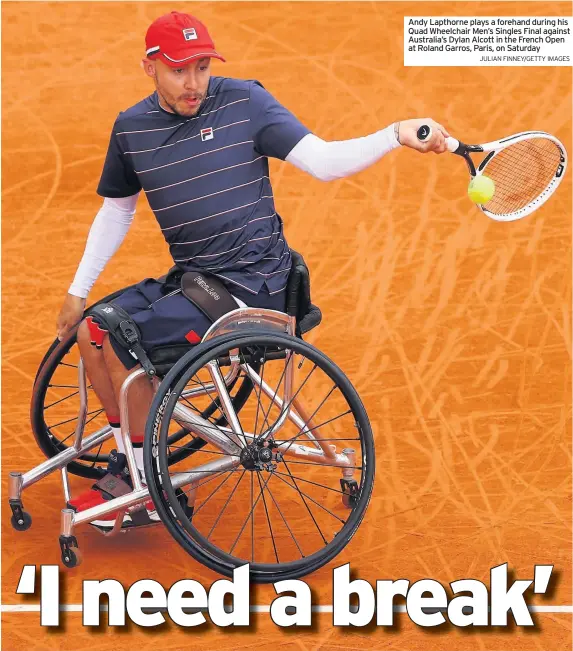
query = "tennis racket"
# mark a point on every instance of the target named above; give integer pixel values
(526, 168)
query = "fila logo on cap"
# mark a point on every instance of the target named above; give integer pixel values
(207, 134)
(190, 34)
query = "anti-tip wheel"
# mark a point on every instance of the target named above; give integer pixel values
(72, 557)
(22, 521)
(347, 501)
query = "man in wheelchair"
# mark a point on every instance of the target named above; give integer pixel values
(198, 147)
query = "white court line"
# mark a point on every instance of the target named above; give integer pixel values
(77, 608)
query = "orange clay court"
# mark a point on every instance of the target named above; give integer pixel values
(455, 330)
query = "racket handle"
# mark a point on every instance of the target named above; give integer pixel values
(452, 144)
(424, 132)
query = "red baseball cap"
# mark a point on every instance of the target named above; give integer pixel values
(177, 39)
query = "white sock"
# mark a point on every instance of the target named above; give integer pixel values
(118, 440)
(138, 453)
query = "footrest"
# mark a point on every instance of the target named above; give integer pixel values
(114, 486)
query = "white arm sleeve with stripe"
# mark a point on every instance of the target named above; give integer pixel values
(108, 231)
(328, 161)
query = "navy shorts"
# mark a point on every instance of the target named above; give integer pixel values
(166, 317)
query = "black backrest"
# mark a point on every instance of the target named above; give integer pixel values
(299, 305)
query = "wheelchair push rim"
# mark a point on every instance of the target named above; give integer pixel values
(242, 525)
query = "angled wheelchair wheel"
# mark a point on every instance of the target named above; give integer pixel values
(285, 483)
(55, 407)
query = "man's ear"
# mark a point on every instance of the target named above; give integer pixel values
(148, 67)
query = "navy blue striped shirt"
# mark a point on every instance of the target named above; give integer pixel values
(207, 179)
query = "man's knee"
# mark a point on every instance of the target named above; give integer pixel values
(109, 353)
(117, 357)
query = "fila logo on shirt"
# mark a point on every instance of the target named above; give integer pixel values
(207, 134)
(190, 34)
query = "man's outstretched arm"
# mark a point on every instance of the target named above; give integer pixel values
(337, 159)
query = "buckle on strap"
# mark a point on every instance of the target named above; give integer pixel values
(124, 330)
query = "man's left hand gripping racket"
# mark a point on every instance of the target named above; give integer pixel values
(526, 168)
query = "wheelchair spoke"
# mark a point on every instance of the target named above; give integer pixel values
(272, 401)
(306, 430)
(210, 426)
(206, 481)
(268, 519)
(307, 481)
(63, 386)
(93, 463)
(288, 405)
(301, 431)
(196, 409)
(186, 447)
(95, 413)
(295, 488)
(250, 513)
(259, 403)
(302, 496)
(324, 465)
(283, 517)
(213, 493)
(46, 407)
(222, 413)
(356, 438)
(69, 420)
(252, 522)
(226, 504)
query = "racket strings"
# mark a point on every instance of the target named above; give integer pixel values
(521, 173)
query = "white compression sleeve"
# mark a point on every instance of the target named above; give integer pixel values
(334, 160)
(108, 231)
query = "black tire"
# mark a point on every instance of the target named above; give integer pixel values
(72, 557)
(23, 523)
(49, 435)
(183, 523)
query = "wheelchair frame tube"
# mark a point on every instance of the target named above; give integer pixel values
(338, 459)
(82, 414)
(319, 455)
(66, 484)
(306, 420)
(124, 420)
(214, 467)
(123, 503)
(226, 404)
(66, 456)
(290, 413)
(206, 430)
(208, 388)
(287, 393)
(117, 504)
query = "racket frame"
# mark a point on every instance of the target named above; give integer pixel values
(495, 147)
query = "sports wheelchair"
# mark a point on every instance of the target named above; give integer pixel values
(257, 447)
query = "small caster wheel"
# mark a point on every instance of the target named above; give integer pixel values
(21, 521)
(72, 557)
(71, 554)
(349, 493)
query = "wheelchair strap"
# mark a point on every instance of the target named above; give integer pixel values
(124, 330)
(208, 294)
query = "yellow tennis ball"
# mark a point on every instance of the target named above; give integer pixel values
(481, 189)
